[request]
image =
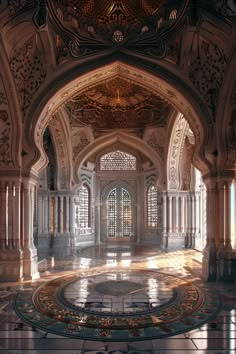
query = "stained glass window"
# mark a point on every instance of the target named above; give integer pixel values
(84, 207)
(118, 161)
(152, 214)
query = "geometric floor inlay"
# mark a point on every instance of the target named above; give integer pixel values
(117, 305)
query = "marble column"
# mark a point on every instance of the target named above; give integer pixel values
(3, 214)
(30, 259)
(209, 269)
(183, 214)
(11, 256)
(61, 214)
(72, 221)
(40, 215)
(67, 214)
(56, 214)
(170, 221)
(45, 210)
(164, 219)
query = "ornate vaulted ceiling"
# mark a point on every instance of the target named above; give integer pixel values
(117, 104)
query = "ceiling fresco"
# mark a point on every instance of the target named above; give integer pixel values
(117, 104)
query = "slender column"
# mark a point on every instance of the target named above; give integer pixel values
(30, 261)
(164, 219)
(170, 226)
(45, 209)
(61, 214)
(10, 215)
(228, 246)
(188, 209)
(183, 214)
(40, 211)
(3, 215)
(16, 222)
(56, 215)
(209, 252)
(72, 220)
(221, 189)
(177, 214)
(67, 214)
(193, 220)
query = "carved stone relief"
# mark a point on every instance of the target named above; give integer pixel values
(16, 5)
(5, 130)
(63, 163)
(226, 7)
(206, 71)
(80, 140)
(156, 138)
(117, 103)
(28, 71)
(175, 152)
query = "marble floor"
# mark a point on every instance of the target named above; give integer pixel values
(127, 299)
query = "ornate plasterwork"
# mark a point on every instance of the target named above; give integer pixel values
(80, 138)
(117, 103)
(156, 138)
(88, 27)
(5, 129)
(61, 147)
(156, 85)
(176, 145)
(226, 7)
(28, 71)
(206, 71)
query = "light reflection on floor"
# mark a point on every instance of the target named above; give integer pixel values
(218, 336)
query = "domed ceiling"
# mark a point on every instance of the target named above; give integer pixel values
(87, 26)
(117, 104)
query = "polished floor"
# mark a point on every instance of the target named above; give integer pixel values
(121, 299)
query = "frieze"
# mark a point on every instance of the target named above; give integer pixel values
(206, 71)
(28, 72)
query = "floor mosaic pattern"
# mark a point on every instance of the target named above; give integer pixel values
(117, 305)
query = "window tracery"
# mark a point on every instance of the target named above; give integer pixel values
(152, 212)
(118, 161)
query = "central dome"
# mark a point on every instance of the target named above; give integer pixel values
(109, 11)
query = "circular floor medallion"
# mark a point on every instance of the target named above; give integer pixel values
(117, 305)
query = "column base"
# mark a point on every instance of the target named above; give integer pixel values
(225, 266)
(11, 265)
(30, 264)
(209, 265)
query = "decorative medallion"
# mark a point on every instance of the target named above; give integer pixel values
(147, 305)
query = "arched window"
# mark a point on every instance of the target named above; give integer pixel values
(152, 213)
(84, 207)
(118, 161)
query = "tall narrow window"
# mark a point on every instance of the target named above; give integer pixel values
(126, 213)
(152, 206)
(84, 207)
(112, 213)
